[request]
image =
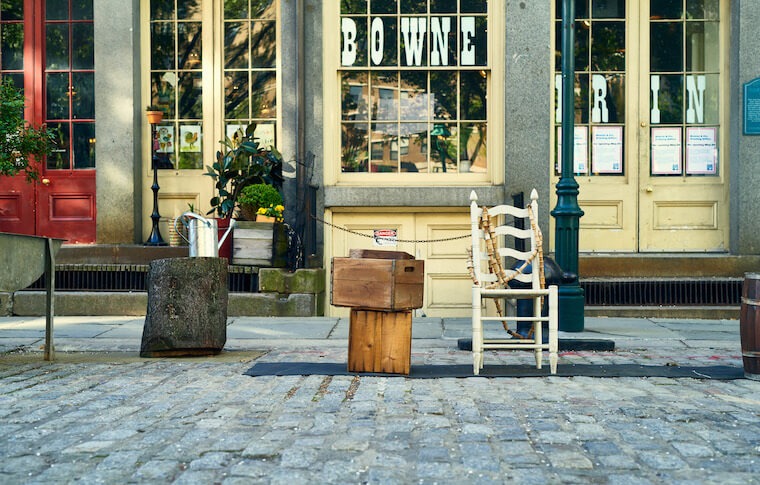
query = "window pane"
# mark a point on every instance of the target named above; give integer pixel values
(264, 94)
(353, 6)
(190, 91)
(413, 6)
(383, 6)
(57, 96)
(59, 158)
(264, 44)
(443, 156)
(581, 37)
(384, 148)
(354, 99)
(12, 47)
(608, 46)
(702, 46)
(474, 6)
(472, 148)
(235, 9)
(354, 147)
(12, 10)
(236, 45)
(666, 9)
(236, 95)
(81, 9)
(582, 98)
(666, 51)
(83, 94)
(263, 9)
(56, 9)
(189, 45)
(608, 9)
(703, 9)
(360, 42)
(669, 98)
(84, 46)
(84, 145)
(162, 53)
(610, 98)
(443, 6)
(163, 92)
(473, 101)
(413, 147)
(443, 92)
(189, 9)
(384, 52)
(413, 97)
(581, 9)
(161, 9)
(481, 41)
(385, 95)
(57, 46)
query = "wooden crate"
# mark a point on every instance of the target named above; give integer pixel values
(380, 341)
(259, 244)
(377, 284)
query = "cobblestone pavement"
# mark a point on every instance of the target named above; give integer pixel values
(111, 417)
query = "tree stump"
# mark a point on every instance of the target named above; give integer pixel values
(187, 307)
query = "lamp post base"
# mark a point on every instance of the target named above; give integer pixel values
(571, 308)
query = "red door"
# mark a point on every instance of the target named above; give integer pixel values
(54, 63)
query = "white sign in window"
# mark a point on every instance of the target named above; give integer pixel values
(666, 151)
(701, 150)
(607, 149)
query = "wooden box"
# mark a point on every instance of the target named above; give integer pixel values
(380, 341)
(259, 244)
(377, 284)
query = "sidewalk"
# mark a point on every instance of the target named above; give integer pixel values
(118, 418)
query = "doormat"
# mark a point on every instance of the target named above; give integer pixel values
(718, 372)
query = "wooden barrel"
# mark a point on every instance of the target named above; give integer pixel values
(749, 323)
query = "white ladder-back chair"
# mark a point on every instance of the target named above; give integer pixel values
(491, 278)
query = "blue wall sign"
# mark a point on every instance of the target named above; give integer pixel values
(752, 107)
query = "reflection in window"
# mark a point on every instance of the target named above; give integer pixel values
(414, 85)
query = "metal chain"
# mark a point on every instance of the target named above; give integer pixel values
(411, 241)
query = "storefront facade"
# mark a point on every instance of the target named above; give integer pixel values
(410, 105)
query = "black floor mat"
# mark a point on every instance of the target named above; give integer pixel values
(720, 372)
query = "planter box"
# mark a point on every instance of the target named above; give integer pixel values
(380, 341)
(378, 284)
(259, 244)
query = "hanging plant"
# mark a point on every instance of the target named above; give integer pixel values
(22, 146)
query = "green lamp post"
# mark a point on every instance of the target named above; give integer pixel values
(567, 213)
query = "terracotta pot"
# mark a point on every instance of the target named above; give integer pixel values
(154, 116)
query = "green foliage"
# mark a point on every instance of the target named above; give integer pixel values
(242, 163)
(19, 141)
(259, 195)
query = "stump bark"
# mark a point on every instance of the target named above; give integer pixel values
(187, 307)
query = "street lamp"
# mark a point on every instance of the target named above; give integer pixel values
(155, 238)
(567, 213)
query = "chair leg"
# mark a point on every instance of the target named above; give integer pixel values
(538, 332)
(477, 332)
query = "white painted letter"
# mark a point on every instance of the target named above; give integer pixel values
(439, 29)
(468, 47)
(654, 82)
(413, 30)
(696, 92)
(599, 113)
(348, 55)
(378, 41)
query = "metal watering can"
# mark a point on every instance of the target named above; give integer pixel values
(202, 235)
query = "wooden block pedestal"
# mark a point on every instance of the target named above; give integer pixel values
(380, 341)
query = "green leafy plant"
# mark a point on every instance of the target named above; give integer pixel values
(239, 164)
(256, 198)
(20, 142)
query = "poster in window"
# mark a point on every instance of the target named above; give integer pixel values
(190, 138)
(607, 149)
(701, 150)
(164, 141)
(580, 151)
(666, 151)
(236, 133)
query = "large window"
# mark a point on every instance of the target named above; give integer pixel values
(183, 57)
(414, 81)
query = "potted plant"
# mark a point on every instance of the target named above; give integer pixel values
(239, 164)
(257, 200)
(154, 114)
(20, 142)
